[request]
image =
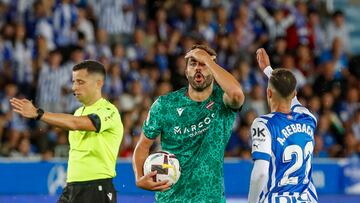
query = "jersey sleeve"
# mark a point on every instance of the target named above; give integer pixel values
(220, 96)
(152, 126)
(298, 108)
(103, 118)
(260, 140)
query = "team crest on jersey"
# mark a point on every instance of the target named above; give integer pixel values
(210, 105)
(289, 117)
(180, 110)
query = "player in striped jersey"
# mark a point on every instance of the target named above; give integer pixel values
(282, 143)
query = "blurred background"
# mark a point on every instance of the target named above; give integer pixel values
(142, 45)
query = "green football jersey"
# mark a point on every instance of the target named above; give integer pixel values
(197, 133)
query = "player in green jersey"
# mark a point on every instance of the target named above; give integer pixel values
(195, 124)
(95, 134)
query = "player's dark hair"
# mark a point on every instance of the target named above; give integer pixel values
(91, 66)
(283, 81)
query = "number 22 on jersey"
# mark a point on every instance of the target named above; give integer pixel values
(300, 156)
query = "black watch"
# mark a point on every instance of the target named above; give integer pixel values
(40, 113)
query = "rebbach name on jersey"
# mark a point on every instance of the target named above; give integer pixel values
(295, 128)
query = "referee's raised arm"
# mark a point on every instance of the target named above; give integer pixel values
(65, 121)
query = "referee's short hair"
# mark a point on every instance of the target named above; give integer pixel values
(91, 66)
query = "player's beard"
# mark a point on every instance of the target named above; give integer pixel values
(200, 86)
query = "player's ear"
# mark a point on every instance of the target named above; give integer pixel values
(269, 92)
(186, 72)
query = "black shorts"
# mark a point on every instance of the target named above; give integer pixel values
(94, 191)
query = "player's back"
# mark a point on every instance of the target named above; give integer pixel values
(292, 144)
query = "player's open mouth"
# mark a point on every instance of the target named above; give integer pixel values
(198, 77)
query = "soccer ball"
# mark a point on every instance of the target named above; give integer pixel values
(166, 165)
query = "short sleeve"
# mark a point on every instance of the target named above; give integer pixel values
(303, 110)
(260, 140)
(95, 120)
(152, 126)
(298, 108)
(219, 95)
(103, 119)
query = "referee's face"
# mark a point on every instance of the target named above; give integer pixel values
(85, 85)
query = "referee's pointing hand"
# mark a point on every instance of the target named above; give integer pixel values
(23, 107)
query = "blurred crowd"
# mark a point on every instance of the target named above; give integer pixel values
(142, 45)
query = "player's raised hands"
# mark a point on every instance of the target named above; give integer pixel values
(262, 58)
(24, 107)
(147, 182)
(199, 55)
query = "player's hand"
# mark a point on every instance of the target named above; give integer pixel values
(146, 182)
(199, 55)
(23, 107)
(262, 58)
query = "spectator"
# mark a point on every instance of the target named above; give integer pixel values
(113, 86)
(337, 55)
(100, 47)
(64, 19)
(305, 61)
(277, 24)
(162, 27)
(278, 51)
(85, 26)
(24, 151)
(319, 150)
(129, 101)
(69, 102)
(338, 29)
(118, 57)
(38, 22)
(316, 33)
(15, 127)
(288, 62)
(52, 78)
(355, 125)
(239, 144)
(116, 17)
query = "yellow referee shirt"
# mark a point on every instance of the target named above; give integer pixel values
(93, 154)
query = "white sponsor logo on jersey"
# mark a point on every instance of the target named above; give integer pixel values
(195, 129)
(180, 110)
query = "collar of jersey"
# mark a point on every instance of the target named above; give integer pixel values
(186, 90)
(281, 113)
(97, 103)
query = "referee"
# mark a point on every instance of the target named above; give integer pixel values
(95, 134)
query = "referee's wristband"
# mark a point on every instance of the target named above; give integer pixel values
(268, 70)
(40, 112)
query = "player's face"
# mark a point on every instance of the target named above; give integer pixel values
(198, 75)
(84, 85)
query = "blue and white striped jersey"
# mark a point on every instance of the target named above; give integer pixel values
(287, 142)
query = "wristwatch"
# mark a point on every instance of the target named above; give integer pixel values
(40, 113)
